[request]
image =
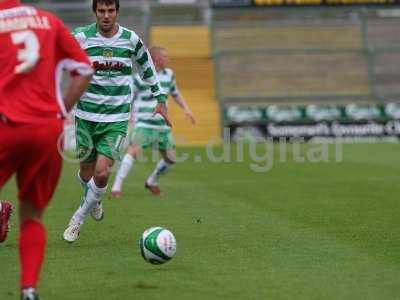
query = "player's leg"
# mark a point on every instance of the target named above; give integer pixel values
(85, 147)
(86, 172)
(108, 141)
(37, 178)
(97, 186)
(6, 209)
(32, 244)
(168, 154)
(109, 147)
(139, 139)
(91, 199)
(8, 162)
(86, 153)
(127, 162)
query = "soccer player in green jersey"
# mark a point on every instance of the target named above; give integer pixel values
(102, 114)
(150, 129)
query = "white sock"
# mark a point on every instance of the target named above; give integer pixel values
(81, 181)
(161, 168)
(0, 206)
(125, 167)
(91, 197)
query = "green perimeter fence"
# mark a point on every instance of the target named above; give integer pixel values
(308, 71)
(307, 55)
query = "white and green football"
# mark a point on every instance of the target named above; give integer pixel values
(157, 245)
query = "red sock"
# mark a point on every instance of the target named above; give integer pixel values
(32, 244)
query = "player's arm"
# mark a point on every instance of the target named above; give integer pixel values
(178, 98)
(147, 71)
(183, 104)
(74, 60)
(76, 88)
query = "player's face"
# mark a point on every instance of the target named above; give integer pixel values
(106, 16)
(161, 60)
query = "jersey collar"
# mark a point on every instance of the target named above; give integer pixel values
(9, 4)
(111, 40)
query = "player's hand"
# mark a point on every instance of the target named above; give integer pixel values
(190, 116)
(161, 109)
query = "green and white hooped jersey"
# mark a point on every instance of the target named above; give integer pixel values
(144, 103)
(109, 95)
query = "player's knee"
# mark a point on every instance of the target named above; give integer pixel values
(133, 150)
(28, 211)
(101, 177)
(170, 160)
(85, 177)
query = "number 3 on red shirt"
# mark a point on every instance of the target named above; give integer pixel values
(29, 55)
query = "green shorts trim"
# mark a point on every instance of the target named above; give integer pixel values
(146, 137)
(93, 138)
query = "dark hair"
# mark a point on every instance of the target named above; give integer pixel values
(106, 2)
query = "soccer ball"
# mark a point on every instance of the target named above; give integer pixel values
(157, 245)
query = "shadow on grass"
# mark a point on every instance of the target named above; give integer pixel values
(145, 285)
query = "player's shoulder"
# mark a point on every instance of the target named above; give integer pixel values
(85, 31)
(168, 72)
(129, 35)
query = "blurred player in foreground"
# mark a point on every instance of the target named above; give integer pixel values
(35, 48)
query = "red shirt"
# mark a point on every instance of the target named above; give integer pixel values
(35, 48)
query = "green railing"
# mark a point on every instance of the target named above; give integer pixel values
(294, 56)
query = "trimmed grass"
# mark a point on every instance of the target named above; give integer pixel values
(328, 230)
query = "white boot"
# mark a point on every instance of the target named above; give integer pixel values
(71, 234)
(97, 212)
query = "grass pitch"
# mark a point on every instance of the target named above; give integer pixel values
(327, 230)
